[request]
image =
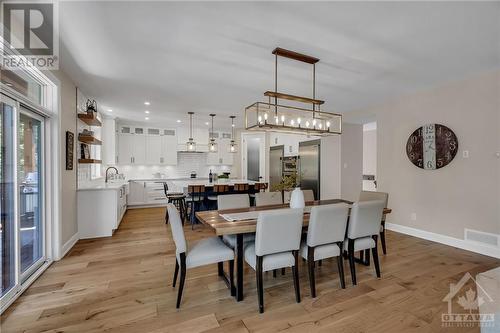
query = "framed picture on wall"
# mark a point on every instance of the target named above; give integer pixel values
(70, 147)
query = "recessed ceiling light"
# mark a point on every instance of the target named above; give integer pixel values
(179, 121)
(147, 103)
(147, 118)
(110, 110)
(207, 123)
(147, 112)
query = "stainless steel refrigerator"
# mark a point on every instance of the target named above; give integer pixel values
(309, 166)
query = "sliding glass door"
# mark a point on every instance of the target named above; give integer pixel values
(22, 228)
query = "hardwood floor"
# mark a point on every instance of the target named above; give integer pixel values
(124, 284)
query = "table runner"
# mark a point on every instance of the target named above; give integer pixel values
(253, 215)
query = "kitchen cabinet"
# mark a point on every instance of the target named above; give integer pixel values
(169, 149)
(153, 149)
(100, 211)
(109, 144)
(146, 193)
(132, 149)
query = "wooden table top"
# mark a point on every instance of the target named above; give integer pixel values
(213, 219)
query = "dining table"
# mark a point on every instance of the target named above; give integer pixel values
(241, 221)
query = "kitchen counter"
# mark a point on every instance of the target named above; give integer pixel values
(101, 185)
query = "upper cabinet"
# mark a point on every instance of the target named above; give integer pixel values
(147, 146)
(222, 156)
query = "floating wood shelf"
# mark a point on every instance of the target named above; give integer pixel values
(88, 139)
(293, 98)
(89, 119)
(295, 55)
(89, 161)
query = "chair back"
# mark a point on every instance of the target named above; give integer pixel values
(308, 195)
(372, 195)
(365, 219)
(165, 188)
(196, 189)
(268, 198)
(278, 231)
(233, 201)
(260, 187)
(177, 230)
(240, 187)
(287, 195)
(327, 224)
(221, 188)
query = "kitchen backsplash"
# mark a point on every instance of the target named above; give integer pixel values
(186, 162)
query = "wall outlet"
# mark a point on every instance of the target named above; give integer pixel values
(465, 154)
(413, 216)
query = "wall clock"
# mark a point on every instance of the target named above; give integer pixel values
(432, 146)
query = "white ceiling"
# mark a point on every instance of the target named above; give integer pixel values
(216, 57)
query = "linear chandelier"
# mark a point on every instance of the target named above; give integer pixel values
(275, 117)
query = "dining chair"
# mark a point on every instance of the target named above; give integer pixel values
(277, 243)
(218, 189)
(372, 195)
(308, 195)
(362, 232)
(325, 238)
(205, 252)
(195, 197)
(234, 201)
(257, 187)
(176, 198)
(268, 198)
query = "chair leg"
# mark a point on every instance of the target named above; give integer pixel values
(382, 241)
(350, 248)
(340, 265)
(283, 271)
(320, 263)
(375, 257)
(231, 278)
(274, 273)
(175, 273)
(310, 266)
(361, 256)
(295, 271)
(182, 279)
(166, 216)
(260, 287)
(367, 257)
(220, 268)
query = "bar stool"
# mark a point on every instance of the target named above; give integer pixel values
(196, 195)
(240, 188)
(257, 187)
(218, 190)
(178, 199)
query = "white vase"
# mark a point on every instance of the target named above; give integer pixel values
(297, 199)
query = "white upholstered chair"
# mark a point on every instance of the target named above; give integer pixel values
(308, 195)
(325, 238)
(268, 198)
(206, 251)
(362, 232)
(370, 196)
(277, 243)
(234, 201)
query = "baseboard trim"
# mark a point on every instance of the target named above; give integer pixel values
(69, 245)
(490, 251)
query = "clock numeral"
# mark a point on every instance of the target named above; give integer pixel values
(440, 162)
(453, 145)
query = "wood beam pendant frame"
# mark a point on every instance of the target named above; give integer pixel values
(276, 117)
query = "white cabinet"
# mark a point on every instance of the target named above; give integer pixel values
(153, 149)
(100, 211)
(132, 149)
(108, 154)
(146, 193)
(169, 149)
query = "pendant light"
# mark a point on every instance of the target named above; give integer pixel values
(232, 145)
(212, 146)
(191, 145)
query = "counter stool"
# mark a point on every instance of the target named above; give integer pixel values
(178, 199)
(240, 188)
(218, 190)
(196, 195)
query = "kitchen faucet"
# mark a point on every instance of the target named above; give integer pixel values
(106, 180)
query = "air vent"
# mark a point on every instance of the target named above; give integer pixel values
(153, 131)
(169, 132)
(482, 237)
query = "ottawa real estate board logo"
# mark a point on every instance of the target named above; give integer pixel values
(30, 35)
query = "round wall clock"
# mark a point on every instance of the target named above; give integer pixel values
(432, 146)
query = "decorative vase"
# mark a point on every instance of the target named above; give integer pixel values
(297, 199)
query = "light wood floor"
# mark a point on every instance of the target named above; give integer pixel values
(124, 284)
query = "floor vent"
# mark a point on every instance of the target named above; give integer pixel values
(482, 237)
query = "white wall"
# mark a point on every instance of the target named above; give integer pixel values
(464, 194)
(330, 167)
(369, 156)
(351, 161)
